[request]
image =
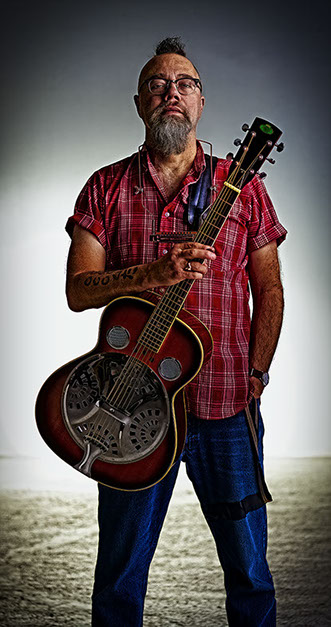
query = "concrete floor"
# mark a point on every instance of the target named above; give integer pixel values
(48, 548)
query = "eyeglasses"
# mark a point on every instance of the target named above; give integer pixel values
(159, 86)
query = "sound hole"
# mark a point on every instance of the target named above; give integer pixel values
(170, 368)
(118, 337)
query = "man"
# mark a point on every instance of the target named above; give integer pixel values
(111, 231)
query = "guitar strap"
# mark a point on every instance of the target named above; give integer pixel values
(253, 426)
(200, 194)
(199, 201)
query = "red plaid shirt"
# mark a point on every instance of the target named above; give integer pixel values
(110, 207)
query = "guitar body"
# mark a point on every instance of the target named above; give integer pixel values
(129, 439)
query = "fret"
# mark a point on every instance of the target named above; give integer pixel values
(164, 313)
(211, 228)
(157, 330)
(181, 289)
(154, 346)
(172, 308)
(226, 202)
(205, 235)
(163, 316)
(152, 333)
(154, 337)
(207, 231)
(215, 226)
(159, 322)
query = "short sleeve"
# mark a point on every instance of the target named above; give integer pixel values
(264, 226)
(89, 210)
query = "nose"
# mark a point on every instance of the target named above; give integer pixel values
(172, 92)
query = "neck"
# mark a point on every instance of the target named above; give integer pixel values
(175, 162)
(172, 169)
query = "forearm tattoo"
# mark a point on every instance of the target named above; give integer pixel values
(102, 278)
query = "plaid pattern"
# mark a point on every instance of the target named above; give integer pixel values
(110, 207)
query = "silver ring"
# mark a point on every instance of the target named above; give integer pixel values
(188, 267)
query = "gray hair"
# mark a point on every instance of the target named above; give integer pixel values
(170, 45)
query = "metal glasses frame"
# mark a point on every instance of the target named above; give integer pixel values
(167, 84)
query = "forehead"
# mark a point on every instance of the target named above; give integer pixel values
(168, 64)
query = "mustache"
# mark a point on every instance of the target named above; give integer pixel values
(162, 108)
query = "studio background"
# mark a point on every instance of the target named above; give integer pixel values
(70, 73)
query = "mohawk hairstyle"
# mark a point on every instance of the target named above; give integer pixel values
(170, 45)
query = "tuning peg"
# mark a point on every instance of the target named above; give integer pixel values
(245, 127)
(272, 161)
(280, 147)
(263, 175)
(237, 142)
(230, 156)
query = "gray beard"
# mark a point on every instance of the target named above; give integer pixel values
(168, 136)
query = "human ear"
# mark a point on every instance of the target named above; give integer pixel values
(137, 103)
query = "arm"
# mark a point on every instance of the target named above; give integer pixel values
(90, 285)
(268, 305)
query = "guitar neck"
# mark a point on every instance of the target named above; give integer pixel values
(168, 308)
(217, 215)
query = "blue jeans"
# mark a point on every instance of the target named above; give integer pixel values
(220, 463)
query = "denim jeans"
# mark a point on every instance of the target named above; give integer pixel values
(221, 465)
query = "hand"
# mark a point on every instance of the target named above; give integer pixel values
(256, 386)
(170, 268)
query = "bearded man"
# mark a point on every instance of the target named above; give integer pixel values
(112, 254)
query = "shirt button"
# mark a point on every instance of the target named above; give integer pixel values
(162, 290)
(167, 214)
(164, 252)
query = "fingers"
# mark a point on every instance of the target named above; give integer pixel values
(193, 251)
(196, 266)
(192, 246)
(184, 261)
(199, 251)
(192, 256)
(256, 386)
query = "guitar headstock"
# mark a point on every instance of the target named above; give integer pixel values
(260, 139)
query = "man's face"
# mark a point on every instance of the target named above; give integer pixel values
(171, 103)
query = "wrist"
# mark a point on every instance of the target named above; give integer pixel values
(152, 275)
(260, 375)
